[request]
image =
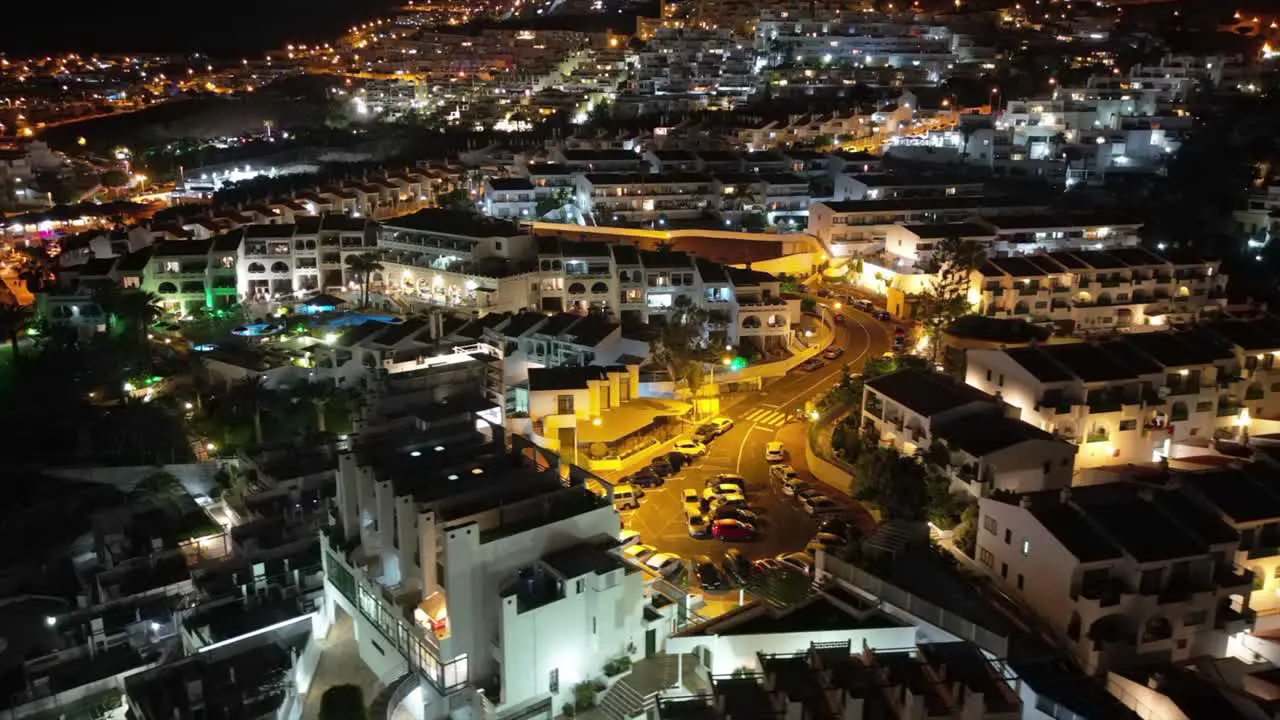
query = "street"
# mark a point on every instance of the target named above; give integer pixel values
(759, 419)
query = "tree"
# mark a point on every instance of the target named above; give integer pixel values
(342, 702)
(252, 393)
(107, 297)
(364, 266)
(319, 394)
(894, 482)
(38, 266)
(947, 298)
(966, 537)
(140, 310)
(555, 201)
(682, 343)
(754, 221)
(13, 320)
(157, 485)
(456, 199)
(113, 178)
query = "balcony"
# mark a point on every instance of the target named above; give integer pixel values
(1104, 594)
(1233, 579)
(1105, 405)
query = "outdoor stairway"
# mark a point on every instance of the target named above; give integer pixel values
(889, 539)
(620, 702)
(381, 704)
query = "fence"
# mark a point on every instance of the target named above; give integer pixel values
(887, 593)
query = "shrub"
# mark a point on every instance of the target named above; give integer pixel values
(584, 695)
(568, 710)
(611, 669)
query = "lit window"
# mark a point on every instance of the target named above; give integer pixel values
(1026, 547)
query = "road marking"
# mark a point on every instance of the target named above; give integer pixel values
(743, 446)
(767, 417)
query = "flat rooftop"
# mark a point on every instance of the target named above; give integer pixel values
(926, 393)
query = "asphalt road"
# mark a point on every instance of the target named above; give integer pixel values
(660, 519)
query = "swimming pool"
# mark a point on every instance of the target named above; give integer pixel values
(258, 329)
(352, 319)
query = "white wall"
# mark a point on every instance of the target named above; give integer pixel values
(728, 653)
(1047, 569)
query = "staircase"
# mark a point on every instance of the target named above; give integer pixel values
(620, 702)
(381, 705)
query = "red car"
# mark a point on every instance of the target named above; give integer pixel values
(729, 529)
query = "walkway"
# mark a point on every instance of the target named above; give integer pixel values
(340, 664)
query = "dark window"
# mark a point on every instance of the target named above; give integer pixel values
(985, 557)
(1128, 425)
(1004, 570)
(1008, 536)
(564, 404)
(553, 684)
(988, 376)
(989, 524)
(1019, 581)
(581, 586)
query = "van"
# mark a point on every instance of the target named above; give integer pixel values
(627, 497)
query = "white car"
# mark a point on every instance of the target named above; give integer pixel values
(783, 473)
(690, 447)
(721, 424)
(627, 538)
(665, 564)
(721, 490)
(736, 500)
(692, 501)
(774, 452)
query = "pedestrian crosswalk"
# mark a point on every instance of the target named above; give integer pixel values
(767, 417)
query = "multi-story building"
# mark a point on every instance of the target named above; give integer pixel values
(897, 186)
(1123, 573)
(1136, 399)
(465, 558)
(509, 197)
(842, 226)
(308, 255)
(189, 274)
(912, 410)
(445, 258)
(631, 197)
(1102, 290)
(875, 43)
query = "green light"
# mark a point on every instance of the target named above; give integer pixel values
(738, 363)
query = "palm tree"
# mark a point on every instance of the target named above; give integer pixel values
(364, 266)
(157, 485)
(107, 296)
(13, 319)
(254, 393)
(318, 394)
(140, 309)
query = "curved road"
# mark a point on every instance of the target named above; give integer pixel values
(758, 419)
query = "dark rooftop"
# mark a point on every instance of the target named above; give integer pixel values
(926, 393)
(453, 222)
(1241, 496)
(938, 231)
(1088, 362)
(1178, 349)
(578, 560)
(990, 435)
(564, 378)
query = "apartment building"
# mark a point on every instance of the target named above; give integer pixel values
(509, 198)
(470, 557)
(1125, 574)
(877, 42)
(436, 258)
(899, 186)
(913, 245)
(1027, 233)
(189, 274)
(1120, 288)
(1136, 399)
(779, 198)
(912, 410)
(636, 197)
(308, 255)
(853, 227)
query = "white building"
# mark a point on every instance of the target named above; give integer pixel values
(1122, 573)
(1136, 399)
(913, 410)
(509, 197)
(277, 261)
(631, 197)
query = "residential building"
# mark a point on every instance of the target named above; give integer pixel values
(898, 186)
(188, 274)
(1137, 399)
(289, 260)
(436, 258)
(509, 197)
(635, 197)
(842, 226)
(987, 451)
(1120, 288)
(1024, 234)
(465, 555)
(1125, 574)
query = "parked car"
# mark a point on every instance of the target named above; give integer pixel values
(627, 538)
(730, 500)
(782, 473)
(709, 576)
(820, 505)
(837, 526)
(697, 525)
(736, 566)
(705, 433)
(774, 452)
(729, 479)
(766, 565)
(720, 490)
(863, 305)
(793, 486)
(665, 564)
(738, 513)
(833, 352)
(645, 477)
(722, 424)
(828, 540)
(732, 530)
(690, 448)
(812, 364)
(662, 466)
(797, 561)
(639, 552)
(804, 491)
(838, 319)
(691, 500)
(627, 497)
